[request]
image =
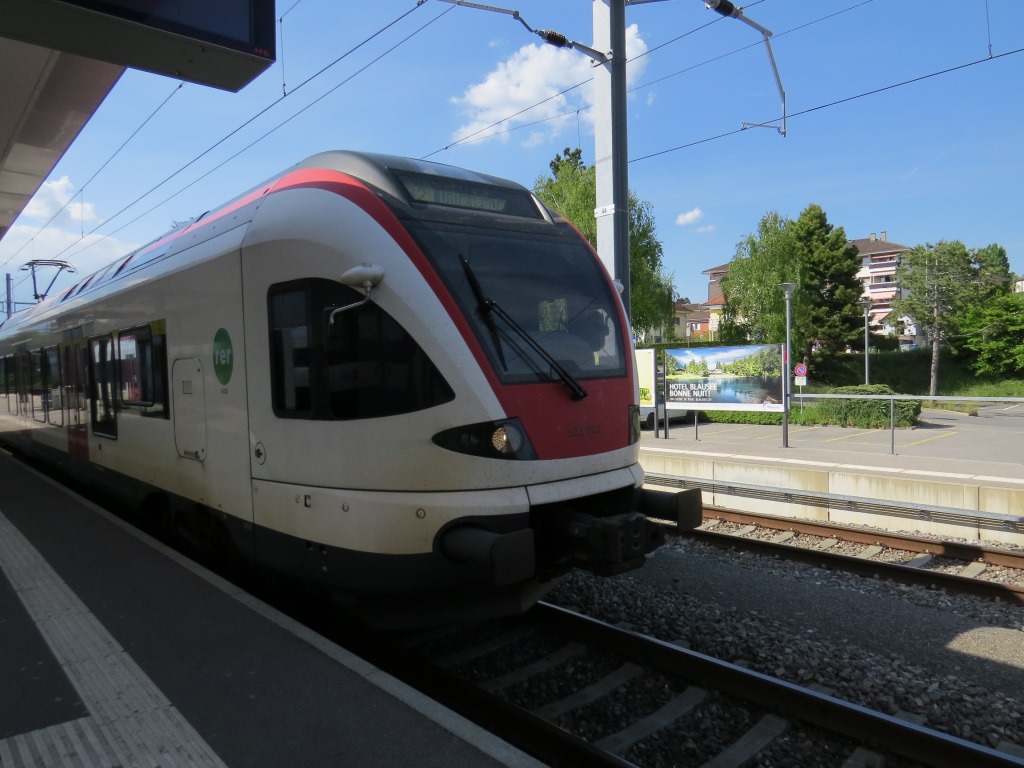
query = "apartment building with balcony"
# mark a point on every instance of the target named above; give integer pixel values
(877, 274)
(879, 261)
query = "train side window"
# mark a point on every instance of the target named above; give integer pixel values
(22, 381)
(37, 386)
(52, 387)
(103, 386)
(289, 352)
(364, 365)
(82, 382)
(142, 360)
(8, 385)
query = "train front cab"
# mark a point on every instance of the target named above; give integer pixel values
(403, 439)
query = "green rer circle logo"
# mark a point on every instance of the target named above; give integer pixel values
(223, 356)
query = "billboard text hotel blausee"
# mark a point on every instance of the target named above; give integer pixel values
(739, 378)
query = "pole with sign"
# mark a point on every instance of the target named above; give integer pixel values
(800, 379)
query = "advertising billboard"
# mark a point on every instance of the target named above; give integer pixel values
(738, 378)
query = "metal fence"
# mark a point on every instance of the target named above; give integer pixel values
(892, 404)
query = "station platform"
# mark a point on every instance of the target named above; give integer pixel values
(957, 449)
(968, 470)
(116, 651)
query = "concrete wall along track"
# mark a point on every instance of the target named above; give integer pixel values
(979, 500)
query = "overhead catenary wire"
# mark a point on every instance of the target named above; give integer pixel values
(267, 133)
(234, 131)
(96, 173)
(475, 136)
(280, 46)
(800, 113)
(577, 110)
(844, 100)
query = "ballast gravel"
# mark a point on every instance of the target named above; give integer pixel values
(954, 662)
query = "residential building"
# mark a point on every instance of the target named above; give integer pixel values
(879, 261)
(691, 321)
(877, 274)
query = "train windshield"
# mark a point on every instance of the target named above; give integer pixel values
(550, 288)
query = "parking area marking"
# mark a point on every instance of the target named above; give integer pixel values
(934, 437)
(849, 437)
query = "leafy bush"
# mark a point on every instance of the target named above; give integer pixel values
(740, 417)
(866, 414)
(863, 414)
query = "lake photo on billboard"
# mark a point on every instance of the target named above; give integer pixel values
(735, 378)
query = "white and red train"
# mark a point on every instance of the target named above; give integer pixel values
(394, 378)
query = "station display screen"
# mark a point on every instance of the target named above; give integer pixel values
(223, 44)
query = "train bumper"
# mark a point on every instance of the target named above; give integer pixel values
(685, 508)
(608, 544)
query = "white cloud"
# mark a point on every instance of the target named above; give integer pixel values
(25, 243)
(706, 228)
(690, 217)
(532, 86)
(55, 198)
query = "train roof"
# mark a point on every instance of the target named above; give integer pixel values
(378, 169)
(387, 173)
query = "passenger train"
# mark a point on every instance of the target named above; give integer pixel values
(396, 379)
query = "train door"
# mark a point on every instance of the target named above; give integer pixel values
(189, 408)
(75, 388)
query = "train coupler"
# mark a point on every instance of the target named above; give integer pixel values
(685, 508)
(610, 545)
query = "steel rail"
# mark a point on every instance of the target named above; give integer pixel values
(912, 741)
(908, 542)
(528, 732)
(860, 566)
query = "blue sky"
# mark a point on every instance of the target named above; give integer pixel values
(936, 159)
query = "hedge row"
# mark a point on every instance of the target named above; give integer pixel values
(864, 414)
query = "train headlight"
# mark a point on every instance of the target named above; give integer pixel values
(505, 439)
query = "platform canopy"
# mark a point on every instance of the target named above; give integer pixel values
(60, 58)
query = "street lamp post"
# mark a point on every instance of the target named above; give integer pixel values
(786, 381)
(867, 343)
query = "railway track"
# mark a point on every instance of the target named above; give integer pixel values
(961, 568)
(552, 683)
(572, 690)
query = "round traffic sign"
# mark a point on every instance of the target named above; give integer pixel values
(800, 370)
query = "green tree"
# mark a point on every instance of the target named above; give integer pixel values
(815, 256)
(571, 191)
(827, 290)
(939, 282)
(994, 330)
(993, 267)
(755, 306)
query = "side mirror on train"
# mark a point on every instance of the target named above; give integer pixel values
(365, 277)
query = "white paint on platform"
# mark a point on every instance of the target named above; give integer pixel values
(131, 722)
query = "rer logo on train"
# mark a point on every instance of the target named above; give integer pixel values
(223, 356)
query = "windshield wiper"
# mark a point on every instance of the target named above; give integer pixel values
(485, 309)
(490, 307)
